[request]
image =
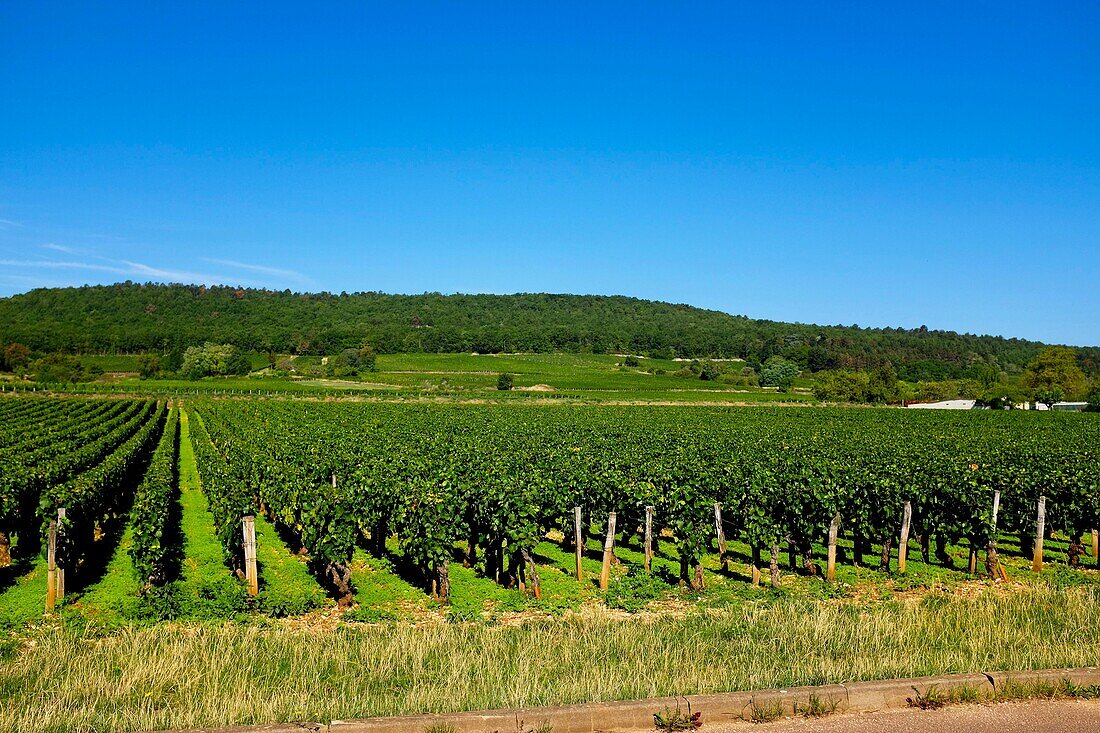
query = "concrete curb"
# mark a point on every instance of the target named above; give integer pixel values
(636, 715)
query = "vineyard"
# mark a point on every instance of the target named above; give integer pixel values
(292, 501)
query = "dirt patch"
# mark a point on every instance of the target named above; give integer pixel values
(535, 388)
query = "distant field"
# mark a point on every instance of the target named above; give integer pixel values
(597, 377)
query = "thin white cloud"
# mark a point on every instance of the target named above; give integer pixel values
(60, 265)
(9, 224)
(138, 268)
(260, 269)
(59, 248)
(131, 270)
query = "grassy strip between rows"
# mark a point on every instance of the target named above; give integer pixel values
(286, 586)
(117, 596)
(207, 675)
(206, 589)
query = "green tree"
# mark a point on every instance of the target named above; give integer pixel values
(882, 385)
(16, 356)
(368, 358)
(59, 368)
(841, 386)
(504, 381)
(238, 363)
(149, 365)
(710, 371)
(1049, 395)
(214, 360)
(1055, 368)
(778, 372)
(1094, 398)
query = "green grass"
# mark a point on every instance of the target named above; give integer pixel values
(381, 594)
(113, 362)
(25, 600)
(286, 586)
(116, 598)
(591, 377)
(206, 588)
(185, 676)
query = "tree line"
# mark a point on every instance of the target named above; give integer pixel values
(131, 318)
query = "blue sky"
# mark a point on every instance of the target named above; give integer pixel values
(937, 163)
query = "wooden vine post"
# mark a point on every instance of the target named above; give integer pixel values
(992, 560)
(721, 533)
(251, 575)
(834, 528)
(60, 561)
(608, 549)
(578, 541)
(754, 569)
(51, 567)
(1040, 531)
(649, 539)
(1096, 547)
(903, 546)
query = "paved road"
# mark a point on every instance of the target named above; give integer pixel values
(1062, 716)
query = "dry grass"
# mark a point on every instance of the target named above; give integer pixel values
(205, 675)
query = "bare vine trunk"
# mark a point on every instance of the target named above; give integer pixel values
(533, 575)
(441, 581)
(925, 549)
(378, 537)
(471, 550)
(341, 578)
(1076, 549)
(941, 551)
(992, 561)
(884, 560)
(5, 550)
(859, 547)
(774, 566)
(808, 563)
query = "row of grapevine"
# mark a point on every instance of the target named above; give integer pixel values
(27, 478)
(152, 510)
(97, 496)
(498, 478)
(228, 498)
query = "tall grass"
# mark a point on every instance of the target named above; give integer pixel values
(205, 675)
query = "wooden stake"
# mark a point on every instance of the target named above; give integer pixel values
(721, 532)
(1040, 527)
(578, 541)
(334, 481)
(649, 539)
(755, 567)
(251, 575)
(1096, 547)
(903, 546)
(992, 559)
(61, 564)
(834, 528)
(51, 568)
(608, 549)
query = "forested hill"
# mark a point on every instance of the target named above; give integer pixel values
(132, 317)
